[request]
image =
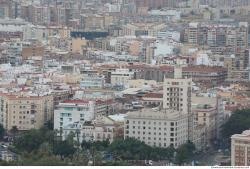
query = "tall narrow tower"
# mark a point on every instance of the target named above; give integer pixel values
(177, 93)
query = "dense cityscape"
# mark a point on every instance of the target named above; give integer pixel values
(124, 83)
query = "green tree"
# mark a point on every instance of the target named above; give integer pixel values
(64, 149)
(80, 159)
(2, 131)
(41, 157)
(49, 125)
(236, 124)
(29, 141)
(184, 153)
(132, 149)
(14, 131)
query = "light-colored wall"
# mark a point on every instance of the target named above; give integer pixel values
(19, 112)
(77, 44)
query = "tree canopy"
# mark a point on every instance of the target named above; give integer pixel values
(237, 123)
(2, 131)
(41, 147)
(184, 152)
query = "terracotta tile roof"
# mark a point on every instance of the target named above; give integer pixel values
(154, 95)
(208, 69)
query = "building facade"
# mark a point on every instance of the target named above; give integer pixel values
(240, 148)
(25, 112)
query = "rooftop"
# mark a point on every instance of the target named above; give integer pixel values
(148, 113)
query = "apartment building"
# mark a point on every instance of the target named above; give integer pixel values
(31, 50)
(240, 149)
(92, 81)
(220, 38)
(143, 29)
(102, 129)
(209, 111)
(71, 111)
(157, 3)
(24, 111)
(206, 74)
(95, 21)
(81, 110)
(77, 45)
(227, 39)
(152, 99)
(121, 77)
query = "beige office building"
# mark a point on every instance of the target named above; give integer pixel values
(160, 128)
(177, 96)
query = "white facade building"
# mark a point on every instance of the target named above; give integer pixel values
(73, 111)
(121, 77)
(92, 81)
(101, 129)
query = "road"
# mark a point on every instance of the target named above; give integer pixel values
(210, 158)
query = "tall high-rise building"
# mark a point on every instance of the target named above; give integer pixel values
(177, 96)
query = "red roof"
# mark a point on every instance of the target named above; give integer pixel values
(76, 101)
(154, 95)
